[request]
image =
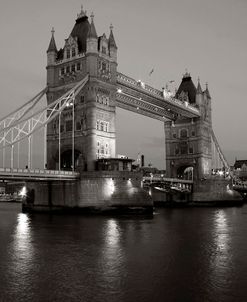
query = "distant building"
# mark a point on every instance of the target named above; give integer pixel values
(240, 169)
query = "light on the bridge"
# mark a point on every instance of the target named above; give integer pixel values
(137, 108)
(69, 104)
(119, 90)
(221, 172)
(141, 83)
(23, 192)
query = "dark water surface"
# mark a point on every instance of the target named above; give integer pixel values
(197, 254)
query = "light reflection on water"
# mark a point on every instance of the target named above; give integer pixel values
(178, 255)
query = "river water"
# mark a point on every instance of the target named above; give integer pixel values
(196, 254)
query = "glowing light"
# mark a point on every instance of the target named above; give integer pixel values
(221, 173)
(23, 192)
(112, 234)
(141, 83)
(119, 90)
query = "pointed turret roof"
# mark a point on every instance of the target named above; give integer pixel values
(187, 86)
(199, 88)
(92, 31)
(80, 30)
(111, 39)
(52, 45)
(207, 91)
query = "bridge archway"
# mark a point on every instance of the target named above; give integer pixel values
(185, 172)
(66, 159)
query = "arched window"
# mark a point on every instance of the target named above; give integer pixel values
(183, 133)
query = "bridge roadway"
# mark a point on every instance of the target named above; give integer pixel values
(141, 98)
(163, 180)
(37, 174)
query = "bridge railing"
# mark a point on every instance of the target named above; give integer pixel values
(38, 172)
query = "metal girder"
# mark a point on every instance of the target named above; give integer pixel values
(21, 112)
(23, 127)
(171, 106)
(221, 155)
(140, 106)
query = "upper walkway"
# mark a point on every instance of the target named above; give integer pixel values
(141, 98)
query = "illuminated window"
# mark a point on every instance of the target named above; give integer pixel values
(73, 52)
(106, 127)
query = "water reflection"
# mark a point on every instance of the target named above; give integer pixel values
(22, 237)
(112, 234)
(221, 231)
(221, 253)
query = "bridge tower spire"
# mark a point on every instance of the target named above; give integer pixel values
(51, 58)
(84, 53)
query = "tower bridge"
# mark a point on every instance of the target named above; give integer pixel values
(78, 123)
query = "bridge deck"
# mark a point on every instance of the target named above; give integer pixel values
(37, 174)
(163, 179)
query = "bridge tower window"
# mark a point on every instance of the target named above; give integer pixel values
(183, 133)
(101, 126)
(73, 68)
(73, 52)
(184, 148)
(68, 53)
(69, 125)
(78, 66)
(67, 69)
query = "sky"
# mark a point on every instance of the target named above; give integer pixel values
(208, 38)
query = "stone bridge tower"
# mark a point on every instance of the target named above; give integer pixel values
(84, 53)
(188, 141)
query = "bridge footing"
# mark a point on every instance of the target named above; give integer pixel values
(206, 192)
(95, 192)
